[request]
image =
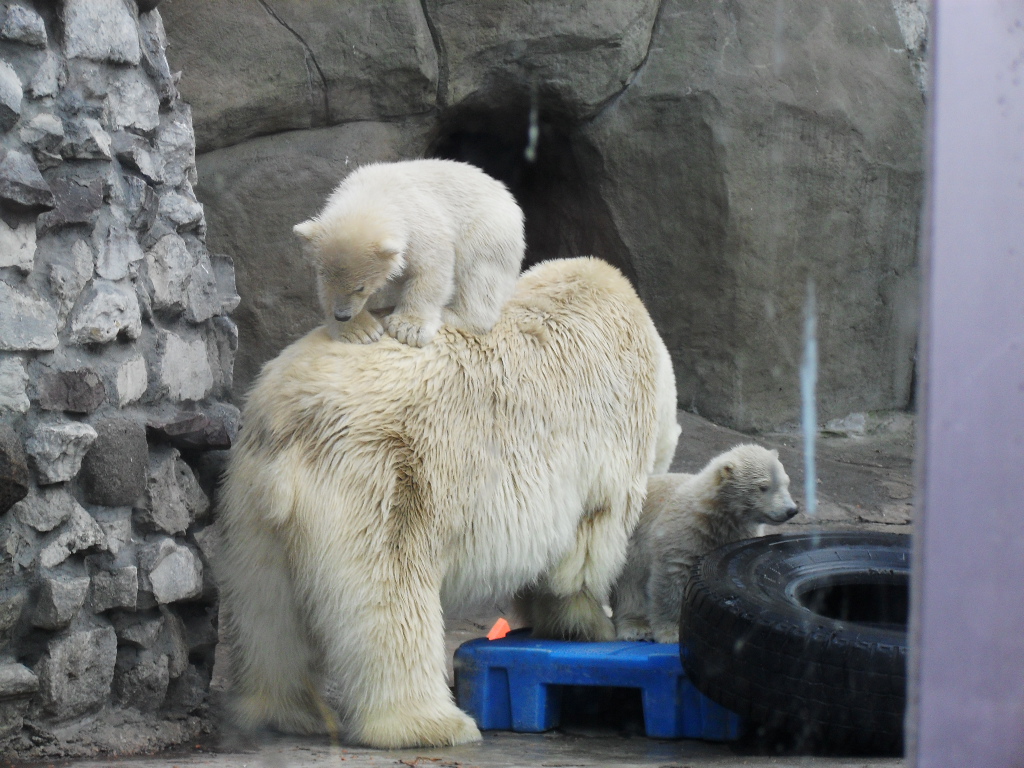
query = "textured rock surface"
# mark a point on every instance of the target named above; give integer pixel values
(17, 680)
(114, 470)
(305, 65)
(13, 469)
(17, 246)
(46, 508)
(13, 386)
(172, 571)
(96, 170)
(26, 321)
(57, 449)
(76, 673)
(79, 533)
(59, 601)
(722, 155)
(79, 390)
(114, 588)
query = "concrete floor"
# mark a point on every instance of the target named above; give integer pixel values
(865, 481)
(498, 750)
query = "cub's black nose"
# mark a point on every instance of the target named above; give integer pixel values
(792, 511)
(342, 317)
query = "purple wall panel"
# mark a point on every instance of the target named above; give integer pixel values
(967, 671)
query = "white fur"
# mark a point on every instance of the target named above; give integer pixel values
(684, 518)
(434, 240)
(375, 486)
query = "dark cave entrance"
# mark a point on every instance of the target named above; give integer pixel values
(565, 215)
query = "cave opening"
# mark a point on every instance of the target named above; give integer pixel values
(557, 190)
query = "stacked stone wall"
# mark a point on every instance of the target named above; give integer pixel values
(116, 355)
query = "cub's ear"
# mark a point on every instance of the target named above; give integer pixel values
(307, 230)
(775, 453)
(725, 472)
(390, 247)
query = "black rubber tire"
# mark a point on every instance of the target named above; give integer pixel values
(804, 634)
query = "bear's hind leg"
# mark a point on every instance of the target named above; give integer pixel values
(569, 600)
(479, 296)
(272, 665)
(380, 625)
(577, 616)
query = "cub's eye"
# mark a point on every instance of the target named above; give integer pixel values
(360, 289)
(764, 487)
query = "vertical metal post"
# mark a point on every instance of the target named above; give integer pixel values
(967, 624)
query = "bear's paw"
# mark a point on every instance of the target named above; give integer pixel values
(361, 329)
(399, 728)
(411, 330)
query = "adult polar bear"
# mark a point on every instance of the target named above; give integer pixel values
(376, 485)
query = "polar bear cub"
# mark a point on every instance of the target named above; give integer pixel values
(685, 517)
(430, 240)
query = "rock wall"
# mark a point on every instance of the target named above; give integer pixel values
(721, 154)
(116, 355)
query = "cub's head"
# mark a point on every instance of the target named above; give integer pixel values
(353, 258)
(754, 486)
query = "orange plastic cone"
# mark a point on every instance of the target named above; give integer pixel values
(499, 630)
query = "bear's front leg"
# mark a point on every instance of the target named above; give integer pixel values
(428, 288)
(668, 580)
(364, 328)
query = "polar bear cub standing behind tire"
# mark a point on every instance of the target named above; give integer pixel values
(684, 518)
(436, 240)
(375, 487)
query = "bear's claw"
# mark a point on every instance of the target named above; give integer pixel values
(407, 331)
(362, 329)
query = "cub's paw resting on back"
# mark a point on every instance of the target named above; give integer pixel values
(364, 328)
(414, 331)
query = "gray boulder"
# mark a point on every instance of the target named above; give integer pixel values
(101, 30)
(141, 630)
(13, 469)
(115, 468)
(79, 533)
(46, 508)
(17, 680)
(141, 678)
(579, 57)
(171, 571)
(13, 386)
(57, 449)
(26, 321)
(59, 601)
(78, 390)
(106, 311)
(76, 672)
(10, 96)
(23, 25)
(739, 166)
(113, 587)
(22, 187)
(289, 64)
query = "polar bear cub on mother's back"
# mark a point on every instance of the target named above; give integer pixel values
(685, 517)
(431, 240)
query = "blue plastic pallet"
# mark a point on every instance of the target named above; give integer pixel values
(512, 684)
